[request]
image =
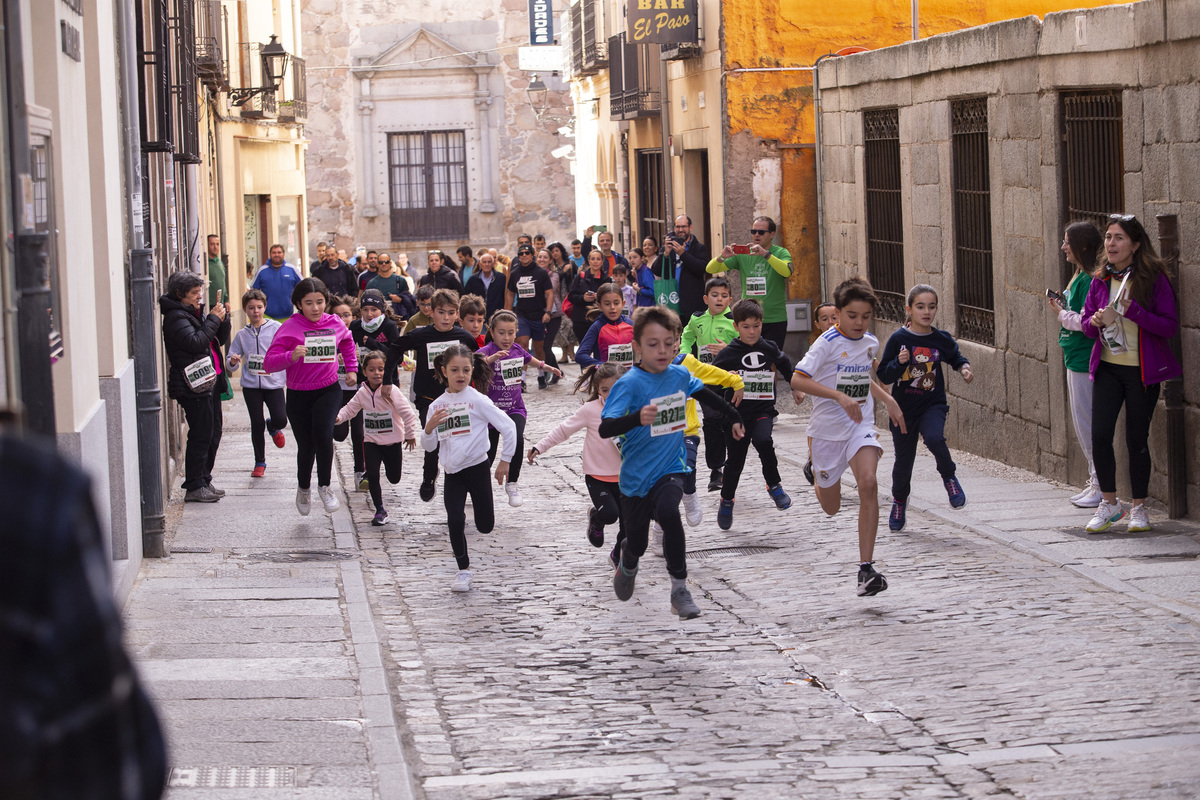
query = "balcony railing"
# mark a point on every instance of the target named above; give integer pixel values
(642, 103)
(211, 68)
(293, 93)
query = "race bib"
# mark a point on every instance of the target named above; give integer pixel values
(322, 347)
(756, 285)
(379, 422)
(525, 287)
(512, 370)
(671, 416)
(200, 372)
(759, 385)
(457, 424)
(254, 364)
(854, 381)
(435, 349)
(706, 357)
(621, 354)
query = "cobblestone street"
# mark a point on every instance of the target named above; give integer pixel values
(986, 670)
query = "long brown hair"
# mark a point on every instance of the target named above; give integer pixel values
(1085, 242)
(591, 378)
(481, 371)
(1146, 264)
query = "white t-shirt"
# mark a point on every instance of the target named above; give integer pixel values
(846, 364)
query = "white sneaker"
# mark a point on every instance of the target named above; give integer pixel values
(514, 495)
(693, 510)
(327, 499)
(462, 581)
(1090, 497)
(1139, 520)
(656, 537)
(1105, 516)
(302, 501)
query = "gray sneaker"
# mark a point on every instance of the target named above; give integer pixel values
(623, 582)
(216, 491)
(683, 604)
(202, 495)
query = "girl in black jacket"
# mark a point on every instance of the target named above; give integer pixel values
(583, 292)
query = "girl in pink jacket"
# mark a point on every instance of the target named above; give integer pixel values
(601, 458)
(386, 423)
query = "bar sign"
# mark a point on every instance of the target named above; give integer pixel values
(541, 28)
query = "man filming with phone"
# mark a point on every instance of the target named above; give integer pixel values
(764, 268)
(686, 258)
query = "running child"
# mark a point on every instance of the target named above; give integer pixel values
(824, 318)
(610, 337)
(620, 276)
(836, 371)
(387, 421)
(472, 313)
(259, 387)
(601, 458)
(912, 363)
(376, 328)
(507, 361)
(647, 407)
(458, 422)
(707, 332)
(345, 309)
(307, 346)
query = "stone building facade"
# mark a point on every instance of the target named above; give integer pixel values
(422, 134)
(996, 112)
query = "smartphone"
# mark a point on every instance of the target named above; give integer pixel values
(600, 229)
(1053, 295)
(741, 249)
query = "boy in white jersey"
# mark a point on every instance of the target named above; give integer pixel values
(837, 371)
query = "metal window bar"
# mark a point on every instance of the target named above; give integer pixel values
(885, 224)
(972, 201)
(153, 32)
(184, 88)
(1093, 156)
(650, 194)
(253, 72)
(43, 222)
(427, 183)
(576, 17)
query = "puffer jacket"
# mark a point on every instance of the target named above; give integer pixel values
(187, 336)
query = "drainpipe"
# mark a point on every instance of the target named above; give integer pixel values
(820, 179)
(623, 188)
(1168, 238)
(664, 107)
(142, 302)
(216, 123)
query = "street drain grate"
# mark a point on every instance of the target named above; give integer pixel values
(730, 552)
(293, 556)
(175, 549)
(232, 778)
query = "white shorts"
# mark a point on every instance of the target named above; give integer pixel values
(830, 458)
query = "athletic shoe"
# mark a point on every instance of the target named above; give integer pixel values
(693, 510)
(623, 582)
(899, 515)
(259, 471)
(427, 490)
(380, 518)
(1090, 497)
(595, 531)
(958, 498)
(656, 537)
(278, 438)
(462, 581)
(614, 556)
(870, 582)
(1105, 516)
(808, 473)
(683, 604)
(302, 501)
(541, 381)
(522, 386)
(725, 514)
(327, 499)
(215, 490)
(554, 380)
(360, 481)
(204, 494)
(1139, 520)
(715, 481)
(514, 495)
(782, 501)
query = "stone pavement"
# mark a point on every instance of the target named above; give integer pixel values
(1010, 657)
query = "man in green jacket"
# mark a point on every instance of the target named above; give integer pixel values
(764, 270)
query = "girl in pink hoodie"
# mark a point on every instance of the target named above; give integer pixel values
(306, 346)
(601, 459)
(386, 423)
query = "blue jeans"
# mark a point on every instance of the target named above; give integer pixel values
(930, 426)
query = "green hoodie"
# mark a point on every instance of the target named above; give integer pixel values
(705, 329)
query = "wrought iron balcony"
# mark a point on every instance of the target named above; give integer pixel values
(293, 94)
(211, 68)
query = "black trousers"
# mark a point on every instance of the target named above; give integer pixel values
(276, 406)
(606, 499)
(692, 447)
(552, 328)
(713, 427)
(580, 324)
(661, 504)
(758, 433)
(476, 482)
(1116, 385)
(429, 469)
(775, 332)
(930, 425)
(203, 415)
(355, 428)
(311, 413)
(514, 468)
(391, 457)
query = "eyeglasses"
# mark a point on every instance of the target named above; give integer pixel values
(756, 232)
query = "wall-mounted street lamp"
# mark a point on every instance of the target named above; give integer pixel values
(539, 96)
(274, 65)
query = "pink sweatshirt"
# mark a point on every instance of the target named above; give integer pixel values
(601, 458)
(304, 374)
(383, 422)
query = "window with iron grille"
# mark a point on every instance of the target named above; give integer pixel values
(427, 181)
(183, 87)
(1093, 156)
(974, 295)
(885, 224)
(652, 219)
(576, 16)
(41, 178)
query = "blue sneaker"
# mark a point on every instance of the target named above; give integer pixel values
(780, 497)
(958, 498)
(725, 515)
(898, 516)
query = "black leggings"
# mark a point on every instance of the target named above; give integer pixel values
(930, 426)
(1116, 385)
(429, 469)
(551, 334)
(713, 427)
(391, 457)
(661, 504)
(355, 428)
(312, 412)
(276, 406)
(514, 467)
(758, 432)
(606, 499)
(775, 332)
(475, 481)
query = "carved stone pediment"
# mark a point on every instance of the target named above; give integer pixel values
(423, 51)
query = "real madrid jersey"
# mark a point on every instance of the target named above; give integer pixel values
(839, 362)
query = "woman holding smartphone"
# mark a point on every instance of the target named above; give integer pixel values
(1131, 313)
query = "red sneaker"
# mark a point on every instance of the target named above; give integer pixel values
(277, 438)
(259, 471)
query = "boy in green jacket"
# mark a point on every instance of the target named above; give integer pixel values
(708, 332)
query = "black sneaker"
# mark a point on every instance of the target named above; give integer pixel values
(554, 380)
(725, 514)
(623, 582)
(427, 490)
(541, 381)
(808, 473)
(870, 582)
(715, 481)
(614, 556)
(595, 531)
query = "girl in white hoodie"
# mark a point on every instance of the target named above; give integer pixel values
(386, 423)
(259, 387)
(458, 421)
